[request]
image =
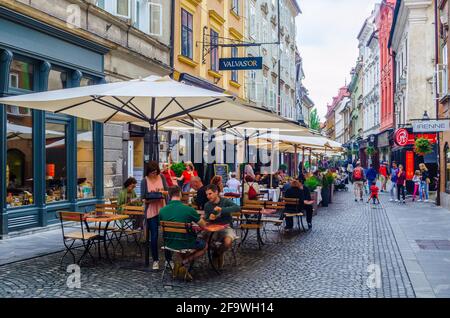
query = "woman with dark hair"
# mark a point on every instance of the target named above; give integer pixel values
(127, 195)
(217, 180)
(153, 189)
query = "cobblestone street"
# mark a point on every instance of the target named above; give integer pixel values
(333, 260)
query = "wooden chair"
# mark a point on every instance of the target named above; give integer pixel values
(298, 214)
(250, 220)
(181, 233)
(87, 238)
(274, 219)
(104, 209)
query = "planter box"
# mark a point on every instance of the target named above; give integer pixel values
(314, 198)
(332, 194)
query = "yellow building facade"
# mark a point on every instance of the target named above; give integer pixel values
(198, 25)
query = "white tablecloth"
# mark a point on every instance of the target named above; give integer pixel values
(272, 194)
(319, 194)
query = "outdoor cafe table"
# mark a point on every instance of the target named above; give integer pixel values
(210, 229)
(104, 219)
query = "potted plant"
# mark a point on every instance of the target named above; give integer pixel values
(178, 168)
(312, 183)
(327, 182)
(422, 146)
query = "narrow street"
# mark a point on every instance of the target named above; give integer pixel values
(408, 243)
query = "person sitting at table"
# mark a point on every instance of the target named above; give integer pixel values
(298, 191)
(176, 211)
(218, 211)
(127, 195)
(251, 184)
(217, 180)
(200, 199)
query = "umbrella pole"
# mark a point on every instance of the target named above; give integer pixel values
(310, 159)
(303, 160)
(295, 162)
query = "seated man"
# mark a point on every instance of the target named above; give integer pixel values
(218, 210)
(176, 211)
(201, 198)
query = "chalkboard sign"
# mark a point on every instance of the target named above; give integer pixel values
(221, 170)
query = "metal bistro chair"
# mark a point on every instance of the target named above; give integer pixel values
(87, 238)
(297, 214)
(274, 219)
(179, 232)
(107, 209)
(132, 228)
(251, 221)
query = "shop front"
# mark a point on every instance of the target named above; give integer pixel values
(52, 162)
(403, 153)
(385, 143)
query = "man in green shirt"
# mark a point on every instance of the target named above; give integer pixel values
(176, 211)
(218, 210)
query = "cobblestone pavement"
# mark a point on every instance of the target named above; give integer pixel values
(335, 259)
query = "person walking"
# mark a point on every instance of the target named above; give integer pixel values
(401, 184)
(417, 179)
(394, 173)
(424, 189)
(383, 176)
(371, 176)
(358, 182)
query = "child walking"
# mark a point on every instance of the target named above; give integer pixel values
(374, 193)
(417, 179)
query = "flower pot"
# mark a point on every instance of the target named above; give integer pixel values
(325, 196)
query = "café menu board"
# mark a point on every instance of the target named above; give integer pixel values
(221, 170)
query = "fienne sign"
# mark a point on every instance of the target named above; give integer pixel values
(240, 63)
(431, 126)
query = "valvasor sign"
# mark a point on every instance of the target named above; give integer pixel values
(431, 126)
(240, 63)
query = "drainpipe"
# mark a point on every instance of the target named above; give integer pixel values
(172, 33)
(279, 59)
(436, 47)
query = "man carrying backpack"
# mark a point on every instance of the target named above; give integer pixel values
(358, 182)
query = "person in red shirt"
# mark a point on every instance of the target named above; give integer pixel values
(383, 176)
(401, 183)
(374, 193)
(170, 175)
(187, 175)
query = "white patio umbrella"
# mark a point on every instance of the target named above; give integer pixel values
(153, 101)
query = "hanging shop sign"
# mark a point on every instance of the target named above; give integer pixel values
(404, 138)
(430, 126)
(240, 63)
(409, 165)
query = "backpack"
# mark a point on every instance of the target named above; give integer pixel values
(252, 194)
(357, 174)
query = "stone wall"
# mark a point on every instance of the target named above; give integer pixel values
(113, 159)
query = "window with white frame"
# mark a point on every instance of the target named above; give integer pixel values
(265, 91)
(155, 18)
(123, 8)
(100, 4)
(253, 29)
(136, 19)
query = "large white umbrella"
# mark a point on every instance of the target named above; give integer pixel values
(154, 102)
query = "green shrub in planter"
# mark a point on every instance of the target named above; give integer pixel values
(328, 180)
(312, 183)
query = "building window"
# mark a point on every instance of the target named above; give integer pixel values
(19, 157)
(21, 75)
(155, 18)
(85, 159)
(235, 7)
(137, 13)
(100, 4)
(57, 80)
(186, 34)
(123, 8)
(235, 74)
(214, 41)
(87, 81)
(56, 162)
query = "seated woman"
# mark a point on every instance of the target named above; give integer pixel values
(127, 195)
(217, 180)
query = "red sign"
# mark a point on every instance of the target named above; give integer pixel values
(409, 165)
(403, 138)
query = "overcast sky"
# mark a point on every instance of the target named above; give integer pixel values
(326, 37)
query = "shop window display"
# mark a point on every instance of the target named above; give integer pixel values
(56, 162)
(85, 159)
(19, 162)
